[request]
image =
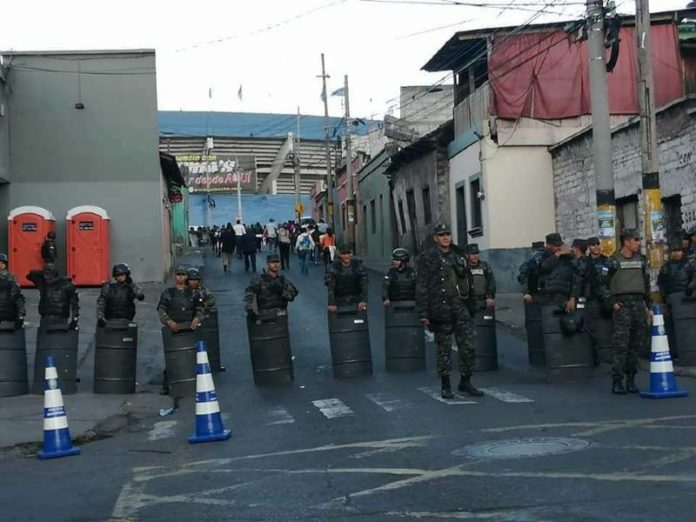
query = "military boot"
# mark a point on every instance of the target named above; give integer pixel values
(631, 384)
(617, 387)
(465, 386)
(446, 389)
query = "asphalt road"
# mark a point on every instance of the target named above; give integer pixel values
(379, 448)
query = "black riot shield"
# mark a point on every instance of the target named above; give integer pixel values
(58, 340)
(486, 341)
(535, 334)
(180, 360)
(404, 338)
(569, 358)
(269, 346)
(211, 335)
(684, 317)
(602, 330)
(351, 355)
(115, 356)
(13, 361)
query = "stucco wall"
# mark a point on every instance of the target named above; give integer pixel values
(105, 154)
(374, 186)
(4, 130)
(573, 166)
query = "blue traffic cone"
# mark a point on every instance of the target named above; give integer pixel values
(57, 441)
(209, 426)
(662, 383)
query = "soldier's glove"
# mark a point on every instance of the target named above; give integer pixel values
(251, 315)
(101, 322)
(19, 323)
(73, 324)
(137, 292)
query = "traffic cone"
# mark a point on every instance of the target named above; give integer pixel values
(209, 426)
(57, 441)
(662, 383)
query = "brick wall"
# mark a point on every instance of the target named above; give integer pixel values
(573, 170)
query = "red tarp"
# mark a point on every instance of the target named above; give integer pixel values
(546, 76)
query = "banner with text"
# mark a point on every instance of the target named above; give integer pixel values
(217, 173)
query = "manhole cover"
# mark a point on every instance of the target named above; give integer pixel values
(522, 448)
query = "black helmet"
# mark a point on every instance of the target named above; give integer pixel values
(571, 323)
(400, 254)
(120, 269)
(51, 235)
(193, 274)
(3, 258)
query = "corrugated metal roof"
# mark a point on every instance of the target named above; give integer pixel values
(249, 124)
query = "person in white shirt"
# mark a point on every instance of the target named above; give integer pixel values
(239, 231)
(304, 246)
(272, 234)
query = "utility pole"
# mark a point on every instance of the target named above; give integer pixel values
(350, 199)
(601, 128)
(299, 208)
(653, 214)
(239, 189)
(327, 138)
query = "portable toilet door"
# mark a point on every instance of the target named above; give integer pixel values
(27, 230)
(88, 245)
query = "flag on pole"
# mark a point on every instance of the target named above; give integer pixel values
(339, 92)
(239, 92)
(323, 95)
(210, 93)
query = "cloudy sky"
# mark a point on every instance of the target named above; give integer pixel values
(271, 48)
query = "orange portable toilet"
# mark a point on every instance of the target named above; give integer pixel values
(88, 245)
(27, 229)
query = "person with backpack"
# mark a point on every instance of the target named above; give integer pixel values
(304, 246)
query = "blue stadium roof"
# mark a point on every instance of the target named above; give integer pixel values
(252, 125)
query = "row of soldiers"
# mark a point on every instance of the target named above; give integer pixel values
(619, 286)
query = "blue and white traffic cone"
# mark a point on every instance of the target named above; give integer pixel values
(57, 442)
(209, 426)
(662, 382)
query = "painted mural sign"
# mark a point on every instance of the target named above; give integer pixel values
(217, 173)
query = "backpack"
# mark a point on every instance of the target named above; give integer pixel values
(305, 244)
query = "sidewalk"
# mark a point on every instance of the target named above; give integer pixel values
(92, 416)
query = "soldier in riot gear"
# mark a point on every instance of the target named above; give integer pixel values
(400, 281)
(443, 300)
(116, 299)
(598, 268)
(527, 275)
(58, 298)
(627, 289)
(559, 279)
(582, 267)
(674, 279)
(206, 296)
(483, 287)
(346, 282)
(11, 299)
(270, 290)
(49, 251)
(180, 305)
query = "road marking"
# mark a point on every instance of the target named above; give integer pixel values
(162, 430)
(434, 392)
(332, 408)
(505, 396)
(386, 402)
(278, 415)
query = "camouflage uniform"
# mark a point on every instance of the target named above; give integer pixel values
(180, 306)
(266, 292)
(346, 285)
(443, 284)
(12, 306)
(399, 284)
(206, 297)
(628, 284)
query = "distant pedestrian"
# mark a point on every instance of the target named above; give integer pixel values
(328, 246)
(229, 241)
(249, 250)
(284, 247)
(272, 234)
(304, 247)
(193, 237)
(316, 251)
(239, 231)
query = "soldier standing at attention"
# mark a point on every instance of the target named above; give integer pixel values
(400, 281)
(628, 292)
(270, 290)
(180, 305)
(443, 287)
(204, 294)
(346, 282)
